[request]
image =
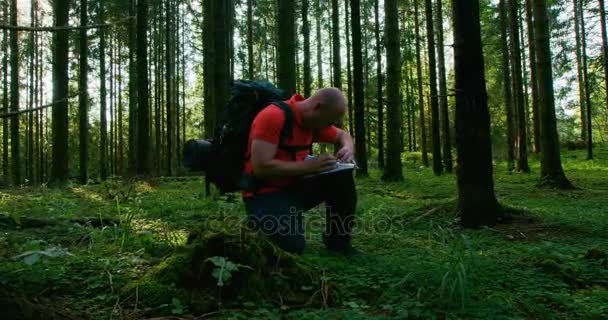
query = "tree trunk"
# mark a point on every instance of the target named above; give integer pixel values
(319, 46)
(30, 115)
(143, 112)
(579, 69)
(552, 173)
(604, 46)
(349, 80)
(588, 105)
(170, 89)
(393, 170)
(477, 204)
(359, 102)
(507, 85)
(425, 158)
(287, 55)
(221, 61)
(430, 33)
(335, 17)
(83, 97)
(59, 172)
(250, 38)
(522, 141)
(5, 102)
(103, 134)
(533, 76)
(380, 96)
(132, 158)
(15, 146)
(306, 34)
(208, 54)
(443, 99)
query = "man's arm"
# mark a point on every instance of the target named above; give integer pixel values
(344, 140)
(264, 164)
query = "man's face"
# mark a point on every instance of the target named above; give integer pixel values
(325, 116)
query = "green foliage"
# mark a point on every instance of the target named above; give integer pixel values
(416, 262)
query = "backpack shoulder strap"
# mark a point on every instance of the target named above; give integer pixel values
(287, 130)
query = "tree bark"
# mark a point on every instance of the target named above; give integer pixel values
(59, 172)
(533, 76)
(286, 41)
(306, 34)
(14, 95)
(393, 170)
(552, 173)
(423, 142)
(380, 96)
(436, 136)
(143, 112)
(83, 97)
(5, 100)
(250, 63)
(349, 80)
(132, 39)
(588, 105)
(359, 102)
(170, 88)
(337, 63)
(604, 46)
(508, 97)
(477, 204)
(319, 45)
(520, 110)
(443, 99)
(103, 140)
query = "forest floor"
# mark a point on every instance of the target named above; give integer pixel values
(71, 253)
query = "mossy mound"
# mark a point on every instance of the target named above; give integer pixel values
(258, 271)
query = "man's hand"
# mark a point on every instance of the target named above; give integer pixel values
(346, 154)
(321, 163)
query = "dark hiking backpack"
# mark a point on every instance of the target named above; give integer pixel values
(223, 157)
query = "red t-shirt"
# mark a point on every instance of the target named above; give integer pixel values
(267, 126)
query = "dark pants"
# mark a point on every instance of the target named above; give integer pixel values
(280, 214)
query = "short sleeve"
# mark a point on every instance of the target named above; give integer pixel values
(327, 135)
(268, 124)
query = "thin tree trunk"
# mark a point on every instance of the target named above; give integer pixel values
(170, 89)
(143, 112)
(533, 76)
(604, 46)
(5, 101)
(335, 17)
(112, 100)
(30, 115)
(380, 97)
(359, 94)
(437, 165)
(120, 134)
(306, 34)
(393, 170)
(14, 95)
(349, 80)
(552, 173)
(425, 158)
(103, 140)
(443, 99)
(286, 42)
(132, 158)
(522, 141)
(477, 204)
(83, 97)
(319, 46)
(508, 97)
(579, 69)
(250, 37)
(59, 173)
(588, 105)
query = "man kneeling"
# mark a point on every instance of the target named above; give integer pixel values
(285, 187)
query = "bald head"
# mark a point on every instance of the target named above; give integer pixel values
(326, 107)
(330, 98)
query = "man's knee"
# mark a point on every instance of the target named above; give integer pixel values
(291, 243)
